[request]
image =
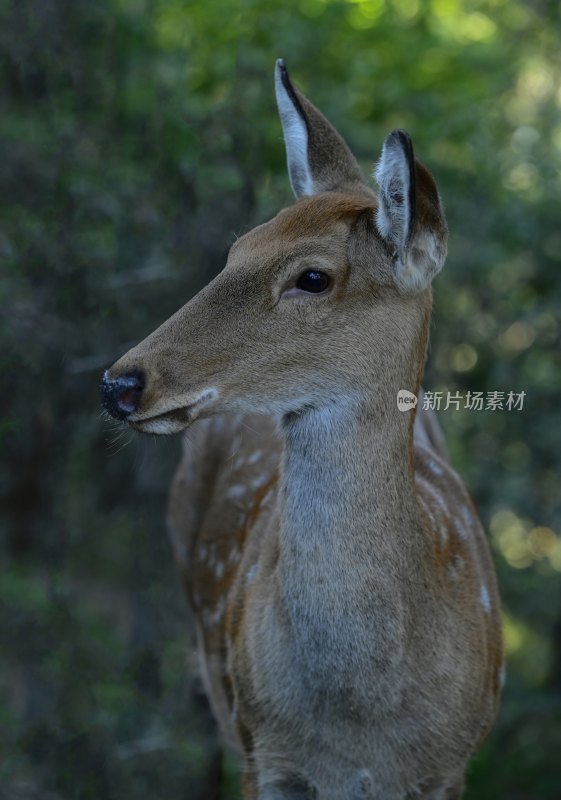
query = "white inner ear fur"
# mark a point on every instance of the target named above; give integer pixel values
(420, 257)
(296, 140)
(392, 175)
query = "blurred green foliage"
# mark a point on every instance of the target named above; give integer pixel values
(138, 137)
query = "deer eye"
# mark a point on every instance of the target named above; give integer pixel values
(313, 281)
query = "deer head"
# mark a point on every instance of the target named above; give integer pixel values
(326, 301)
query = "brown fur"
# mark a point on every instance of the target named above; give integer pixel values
(346, 604)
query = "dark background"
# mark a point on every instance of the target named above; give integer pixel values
(137, 138)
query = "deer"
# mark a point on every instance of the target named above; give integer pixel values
(345, 601)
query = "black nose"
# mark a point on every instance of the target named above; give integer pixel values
(121, 396)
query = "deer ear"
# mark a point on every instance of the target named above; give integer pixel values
(317, 156)
(410, 216)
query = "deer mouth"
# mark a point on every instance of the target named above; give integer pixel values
(175, 419)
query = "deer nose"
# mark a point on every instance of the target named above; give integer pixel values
(121, 396)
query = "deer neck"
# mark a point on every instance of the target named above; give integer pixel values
(347, 479)
(350, 538)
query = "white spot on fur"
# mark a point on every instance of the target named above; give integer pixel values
(234, 554)
(237, 490)
(436, 518)
(485, 599)
(251, 573)
(467, 520)
(455, 566)
(256, 483)
(427, 511)
(219, 570)
(211, 618)
(203, 552)
(435, 467)
(254, 457)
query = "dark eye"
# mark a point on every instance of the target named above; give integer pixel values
(313, 281)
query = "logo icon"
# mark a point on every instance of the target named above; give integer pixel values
(406, 400)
